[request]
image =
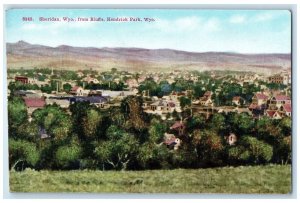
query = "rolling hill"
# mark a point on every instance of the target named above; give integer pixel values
(26, 55)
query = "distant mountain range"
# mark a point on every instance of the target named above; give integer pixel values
(26, 55)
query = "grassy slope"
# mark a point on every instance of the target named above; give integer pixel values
(257, 179)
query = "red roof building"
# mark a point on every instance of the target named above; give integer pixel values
(34, 102)
(273, 114)
(177, 125)
(208, 94)
(21, 79)
(287, 108)
(281, 98)
(261, 96)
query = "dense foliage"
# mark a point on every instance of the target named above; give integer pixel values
(125, 138)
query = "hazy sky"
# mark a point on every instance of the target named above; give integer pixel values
(244, 31)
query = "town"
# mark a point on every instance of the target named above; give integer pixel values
(177, 102)
(163, 93)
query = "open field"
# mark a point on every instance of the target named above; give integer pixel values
(250, 179)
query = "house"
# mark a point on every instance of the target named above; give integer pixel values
(206, 100)
(276, 79)
(21, 79)
(231, 139)
(259, 99)
(176, 95)
(280, 79)
(80, 74)
(286, 109)
(277, 101)
(178, 126)
(34, 103)
(259, 104)
(77, 91)
(90, 79)
(34, 93)
(99, 101)
(43, 133)
(273, 114)
(171, 141)
(208, 94)
(32, 80)
(236, 101)
(95, 93)
(62, 102)
(162, 107)
(117, 94)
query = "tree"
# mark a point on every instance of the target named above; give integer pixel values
(184, 101)
(27, 131)
(175, 115)
(156, 131)
(153, 156)
(283, 151)
(67, 87)
(21, 151)
(151, 86)
(198, 90)
(67, 157)
(286, 126)
(209, 147)
(132, 108)
(79, 112)
(268, 130)
(54, 120)
(118, 150)
(47, 89)
(17, 113)
(240, 123)
(195, 122)
(92, 123)
(260, 152)
(217, 122)
(114, 70)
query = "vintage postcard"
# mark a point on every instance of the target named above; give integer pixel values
(149, 100)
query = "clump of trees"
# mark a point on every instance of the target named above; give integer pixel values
(125, 138)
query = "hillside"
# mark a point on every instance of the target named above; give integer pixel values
(23, 54)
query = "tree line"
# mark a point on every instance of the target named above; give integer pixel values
(125, 138)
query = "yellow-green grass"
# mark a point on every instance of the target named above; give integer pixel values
(247, 179)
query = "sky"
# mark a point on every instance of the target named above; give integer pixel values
(241, 31)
